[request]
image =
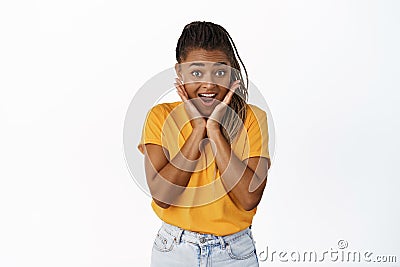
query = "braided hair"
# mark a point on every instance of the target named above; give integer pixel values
(210, 36)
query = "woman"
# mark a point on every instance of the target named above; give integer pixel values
(206, 157)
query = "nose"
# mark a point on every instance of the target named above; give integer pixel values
(207, 83)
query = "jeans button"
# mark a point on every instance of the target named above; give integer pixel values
(202, 240)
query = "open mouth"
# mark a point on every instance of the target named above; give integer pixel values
(207, 99)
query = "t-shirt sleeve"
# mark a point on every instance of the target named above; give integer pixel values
(152, 129)
(258, 134)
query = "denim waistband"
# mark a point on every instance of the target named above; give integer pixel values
(200, 238)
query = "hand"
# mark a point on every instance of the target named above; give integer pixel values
(215, 118)
(196, 119)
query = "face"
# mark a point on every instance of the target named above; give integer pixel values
(206, 77)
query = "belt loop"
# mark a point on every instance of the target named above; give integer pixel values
(251, 235)
(178, 236)
(222, 242)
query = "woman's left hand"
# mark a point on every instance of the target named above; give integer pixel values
(215, 118)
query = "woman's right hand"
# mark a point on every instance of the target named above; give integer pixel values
(196, 119)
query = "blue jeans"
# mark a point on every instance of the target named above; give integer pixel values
(174, 247)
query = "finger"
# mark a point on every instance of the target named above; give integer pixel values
(235, 85)
(229, 95)
(184, 92)
(179, 86)
(182, 87)
(183, 97)
(180, 93)
(179, 82)
(228, 98)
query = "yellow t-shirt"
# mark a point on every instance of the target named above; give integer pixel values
(204, 206)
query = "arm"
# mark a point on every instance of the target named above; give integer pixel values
(166, 178)
(249, 187)
(161, 172)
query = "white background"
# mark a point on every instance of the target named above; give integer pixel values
(329, 71)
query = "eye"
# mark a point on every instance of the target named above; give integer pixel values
(196, 73)
(220, 73)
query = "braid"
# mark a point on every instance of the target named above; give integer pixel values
(234, 46)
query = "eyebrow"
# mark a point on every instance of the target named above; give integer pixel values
(202, 64)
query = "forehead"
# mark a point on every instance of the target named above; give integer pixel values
(206, 55)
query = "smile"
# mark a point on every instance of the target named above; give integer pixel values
(207, 99)
(208, 95)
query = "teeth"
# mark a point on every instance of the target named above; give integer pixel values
(208, 95)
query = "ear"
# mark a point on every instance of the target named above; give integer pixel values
(178, 71)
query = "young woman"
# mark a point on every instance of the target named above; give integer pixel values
(206, 157)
